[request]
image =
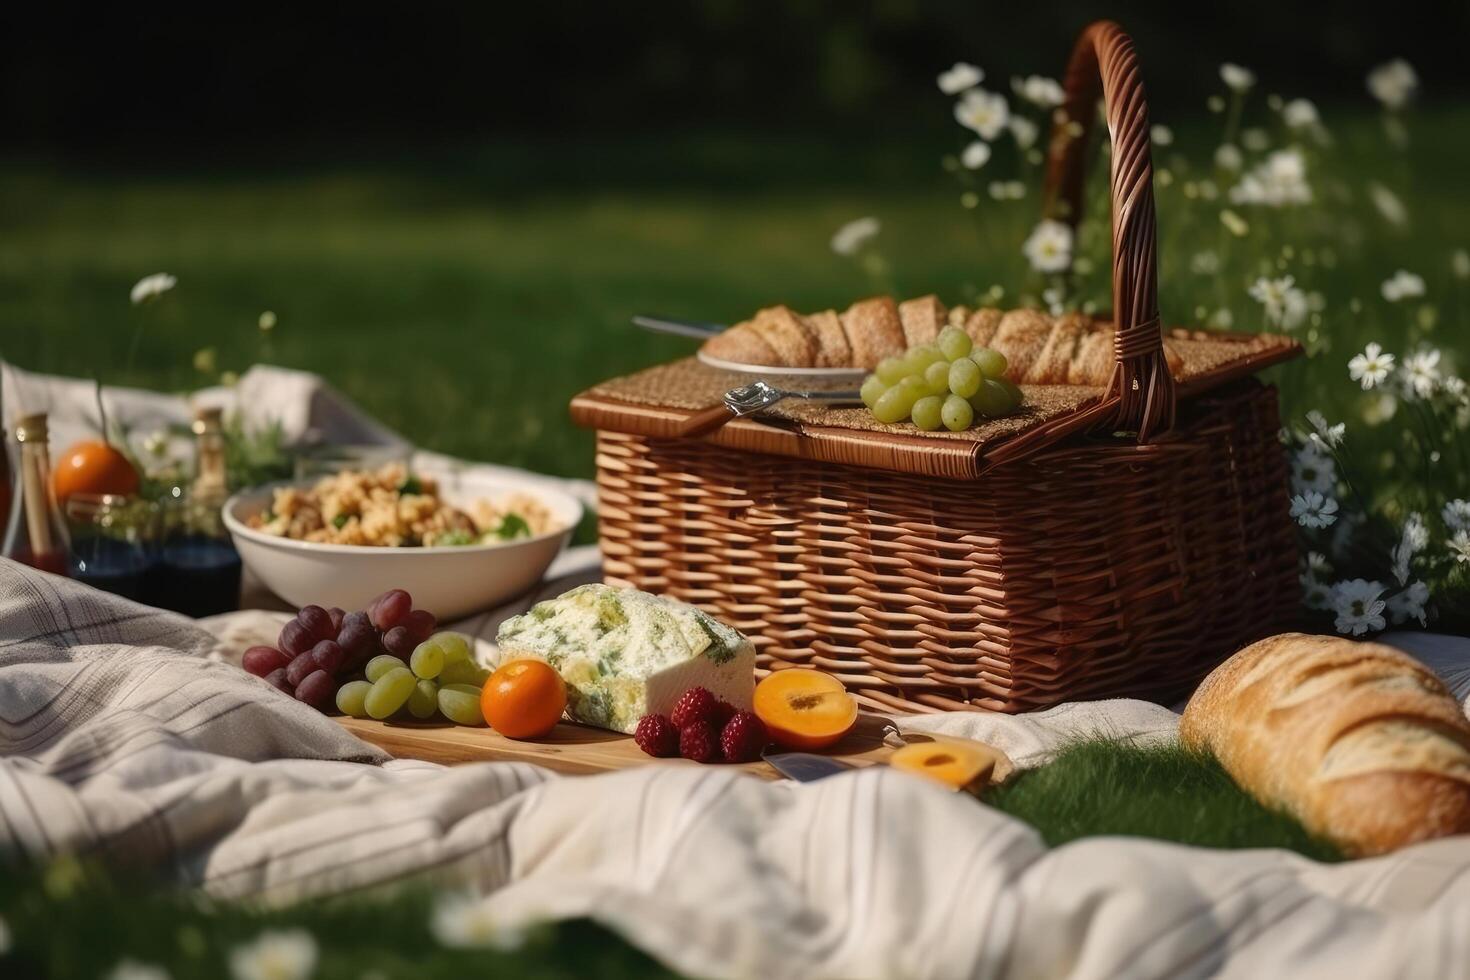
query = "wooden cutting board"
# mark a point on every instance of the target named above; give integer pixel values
(571, 748)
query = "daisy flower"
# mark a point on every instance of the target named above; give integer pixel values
(1161, 135)
(1286, 305)
(1228, 157)
(1236, 78)
(960, 77)
(133, 970)
(1040, 91)
(1370, 368)
(1393, 83)
(1415, 538)
(1409, 604)
(1299, 114)
(1312, 509)
(289, 954)
(854, 235)
(1402, 285)
(1049, 247)
(976, 155)
(1456, 515)
(1278, 181)
(1023, 130)
(1324, 435)
(462, 921)
(1358, 606)
(1313, 471)
(1460, 546)
(152, 287)
(1421, 372)
(984, 112)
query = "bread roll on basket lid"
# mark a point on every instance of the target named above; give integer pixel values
(1361, 743)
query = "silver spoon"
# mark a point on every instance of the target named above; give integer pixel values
(751, 398)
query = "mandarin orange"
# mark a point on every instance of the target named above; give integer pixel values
(94, 467)
(524, 699)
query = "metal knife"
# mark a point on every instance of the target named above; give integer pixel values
(679, 328)
(806, 767)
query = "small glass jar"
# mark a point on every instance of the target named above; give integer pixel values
(113, 543)
(198, 570)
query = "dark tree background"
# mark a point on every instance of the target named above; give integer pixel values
(88, 81)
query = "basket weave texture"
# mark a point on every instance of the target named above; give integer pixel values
(1064, 562)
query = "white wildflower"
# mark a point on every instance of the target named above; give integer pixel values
(984, 112)
(1370, 368)
(1317, 563)
(1313, 471)
(1456, 515)
(1286, 305)
(465, 921)
(1413, 541)
(1205, 263)
(1312, 509)
(1278, 181)
(276, 954)
(1223, 319)
(1299, 114)
(1393, 83)
(1316, 594)
(1402, 285)
(976, 155)
(1388, 204)
(1358, 606)
(962, 76)
(1040, 91)
(1409, 604)
(1420, 373)
(127, 969)
(1460, 263)
(151, 287)
(1459, 545)
(1235, 77)
(1023, 130)
(1161, 135)
(1049, 247)
(1328, 436)
(267, 322)
(1255, 139)
(854, 235)
(1228, 157)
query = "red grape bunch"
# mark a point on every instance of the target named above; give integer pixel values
(321, 648)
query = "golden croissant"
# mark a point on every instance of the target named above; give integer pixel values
(1042, 350)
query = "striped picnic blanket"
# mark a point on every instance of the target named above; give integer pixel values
(126, 733)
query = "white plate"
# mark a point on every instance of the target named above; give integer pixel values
(450, 582)
(769, 370)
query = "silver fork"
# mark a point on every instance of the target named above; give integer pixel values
(754, 397)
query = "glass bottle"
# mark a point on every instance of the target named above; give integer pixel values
(199, 569)
(36, 534)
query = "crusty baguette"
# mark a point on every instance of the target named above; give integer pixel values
(1361, 743)
(795, 345)
(1054, 364)
(874, 330)
(922, 319)
(742, 345)
(1021, 336)
(833, 350)
(981, 326)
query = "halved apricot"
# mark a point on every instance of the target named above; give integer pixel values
(958, 765)
(804, 709)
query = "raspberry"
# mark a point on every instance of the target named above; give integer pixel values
(721, 715)
(657, 736)
(743, 738)
(697, 741)
(695, 704)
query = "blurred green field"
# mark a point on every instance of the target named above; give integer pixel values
(464, 296)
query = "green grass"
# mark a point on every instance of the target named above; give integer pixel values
(1168, 793)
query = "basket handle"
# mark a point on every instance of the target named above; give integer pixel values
(1140, 395)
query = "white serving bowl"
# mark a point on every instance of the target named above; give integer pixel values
(450, 582)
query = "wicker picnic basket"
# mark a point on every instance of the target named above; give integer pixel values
(1122, 545)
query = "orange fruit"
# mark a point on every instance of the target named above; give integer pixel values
(804, 709)
(92, 466)
(523, 699)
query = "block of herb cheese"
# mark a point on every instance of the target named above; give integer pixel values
(625, 653)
